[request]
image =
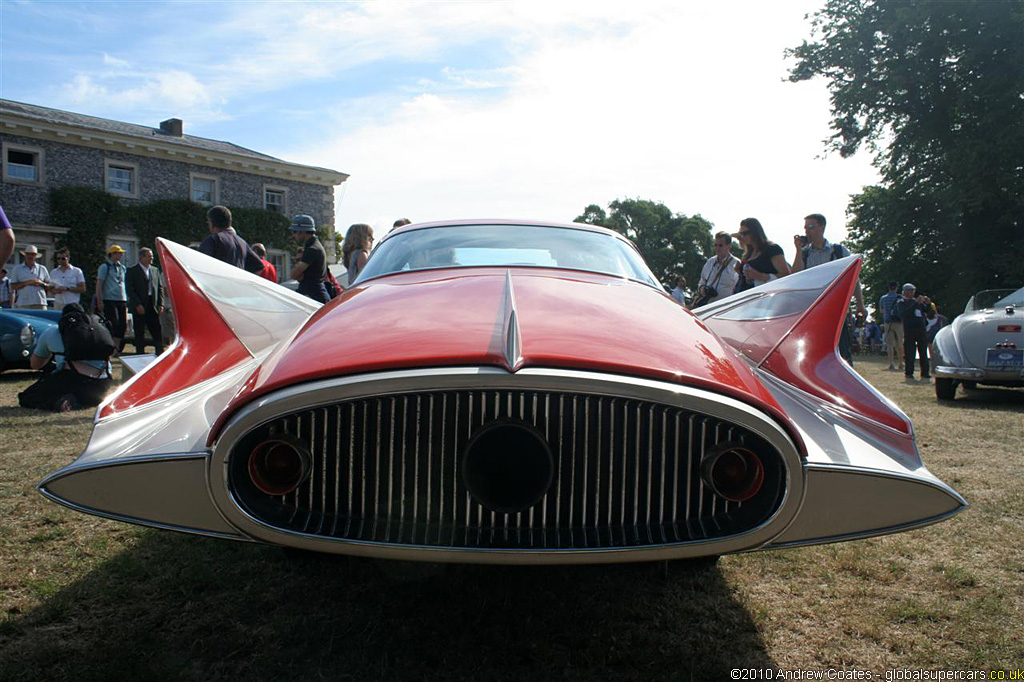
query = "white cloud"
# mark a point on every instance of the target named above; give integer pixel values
(685, 107)
(572, 103)
(109, 60)
(172, 90)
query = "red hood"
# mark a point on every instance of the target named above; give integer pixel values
(569, 320)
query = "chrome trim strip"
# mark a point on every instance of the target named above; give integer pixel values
(329, 391)
(142, 522)
(513, 346)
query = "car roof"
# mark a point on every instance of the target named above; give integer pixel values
(505, 221)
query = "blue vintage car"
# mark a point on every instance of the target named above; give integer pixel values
(19, 330)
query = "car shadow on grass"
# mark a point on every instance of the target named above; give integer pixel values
(180, 607)
(988, 398)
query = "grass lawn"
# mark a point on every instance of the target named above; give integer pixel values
(87, 599)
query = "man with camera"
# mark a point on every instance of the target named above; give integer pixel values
(718, 276)
(912, 311)
(812, 249)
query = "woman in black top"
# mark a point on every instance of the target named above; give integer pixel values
(761, 258)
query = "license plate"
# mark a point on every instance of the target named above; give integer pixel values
(1005, 358)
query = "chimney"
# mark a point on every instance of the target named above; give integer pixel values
(172, 126)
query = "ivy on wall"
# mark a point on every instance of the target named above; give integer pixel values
(91, 214)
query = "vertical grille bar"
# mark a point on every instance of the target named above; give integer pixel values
(416, 467)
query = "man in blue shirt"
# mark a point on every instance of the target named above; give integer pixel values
(111, 295)
(72, 384)
(892, 327)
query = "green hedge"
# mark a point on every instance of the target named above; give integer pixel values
(91, 214)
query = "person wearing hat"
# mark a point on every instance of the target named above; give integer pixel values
(311, 268)
(111, 296)
(912, 312)
(29, 281)
(892, 327)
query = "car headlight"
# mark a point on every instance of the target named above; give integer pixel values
(28, 335)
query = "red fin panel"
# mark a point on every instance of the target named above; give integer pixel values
(807, 358)
(206, 346)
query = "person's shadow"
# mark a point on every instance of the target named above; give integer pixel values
(175, 607)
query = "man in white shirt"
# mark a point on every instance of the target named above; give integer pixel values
(29, 281)
(718, 276)
(66, 281)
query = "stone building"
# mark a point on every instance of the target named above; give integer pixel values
(45, 148)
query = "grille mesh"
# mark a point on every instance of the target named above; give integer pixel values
(388, 469)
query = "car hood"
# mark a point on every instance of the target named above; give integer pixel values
(983, 329)
(569, 320)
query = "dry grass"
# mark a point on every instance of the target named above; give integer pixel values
(87, 599)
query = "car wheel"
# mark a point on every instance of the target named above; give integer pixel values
(969, 385)
(945, 389)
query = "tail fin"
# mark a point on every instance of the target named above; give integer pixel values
(225, 316)
(790, 327)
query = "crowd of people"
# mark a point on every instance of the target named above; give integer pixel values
(908, 322)
(80, 376)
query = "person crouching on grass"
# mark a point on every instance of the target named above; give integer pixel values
(73, 383)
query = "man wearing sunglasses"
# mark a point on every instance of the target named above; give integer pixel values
(67, 282)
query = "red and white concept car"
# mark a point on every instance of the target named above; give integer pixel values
(504, 392)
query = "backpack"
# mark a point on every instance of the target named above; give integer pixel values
(837, 253)
(85, 336)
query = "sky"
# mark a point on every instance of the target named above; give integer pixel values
(486, 109)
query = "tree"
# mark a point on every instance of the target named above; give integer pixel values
(672, 244)
(936, 92)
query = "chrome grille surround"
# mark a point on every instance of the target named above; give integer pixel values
(447, 525)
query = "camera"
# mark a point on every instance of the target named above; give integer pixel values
(802, 239)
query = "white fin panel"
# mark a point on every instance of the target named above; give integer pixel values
(259, 312)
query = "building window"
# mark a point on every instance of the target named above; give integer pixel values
(273, 200)
(122, 178)
(204, 189)
(22, 164)
(280, 261)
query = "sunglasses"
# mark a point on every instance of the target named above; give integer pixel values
(745, 233)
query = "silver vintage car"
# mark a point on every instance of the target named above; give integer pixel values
(985, 345)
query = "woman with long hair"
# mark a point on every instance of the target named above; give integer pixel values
(762, 259)
(356, 249)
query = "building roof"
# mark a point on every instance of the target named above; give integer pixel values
(145, 134)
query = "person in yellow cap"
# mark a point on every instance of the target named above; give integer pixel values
(111, 296)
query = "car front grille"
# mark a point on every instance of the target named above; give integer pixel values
(626, 473)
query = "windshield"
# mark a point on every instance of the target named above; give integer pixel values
(999, 298)
(507, 246)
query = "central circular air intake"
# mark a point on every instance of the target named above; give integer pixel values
(508, 467)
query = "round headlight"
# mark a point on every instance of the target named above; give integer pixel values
(28, 335)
